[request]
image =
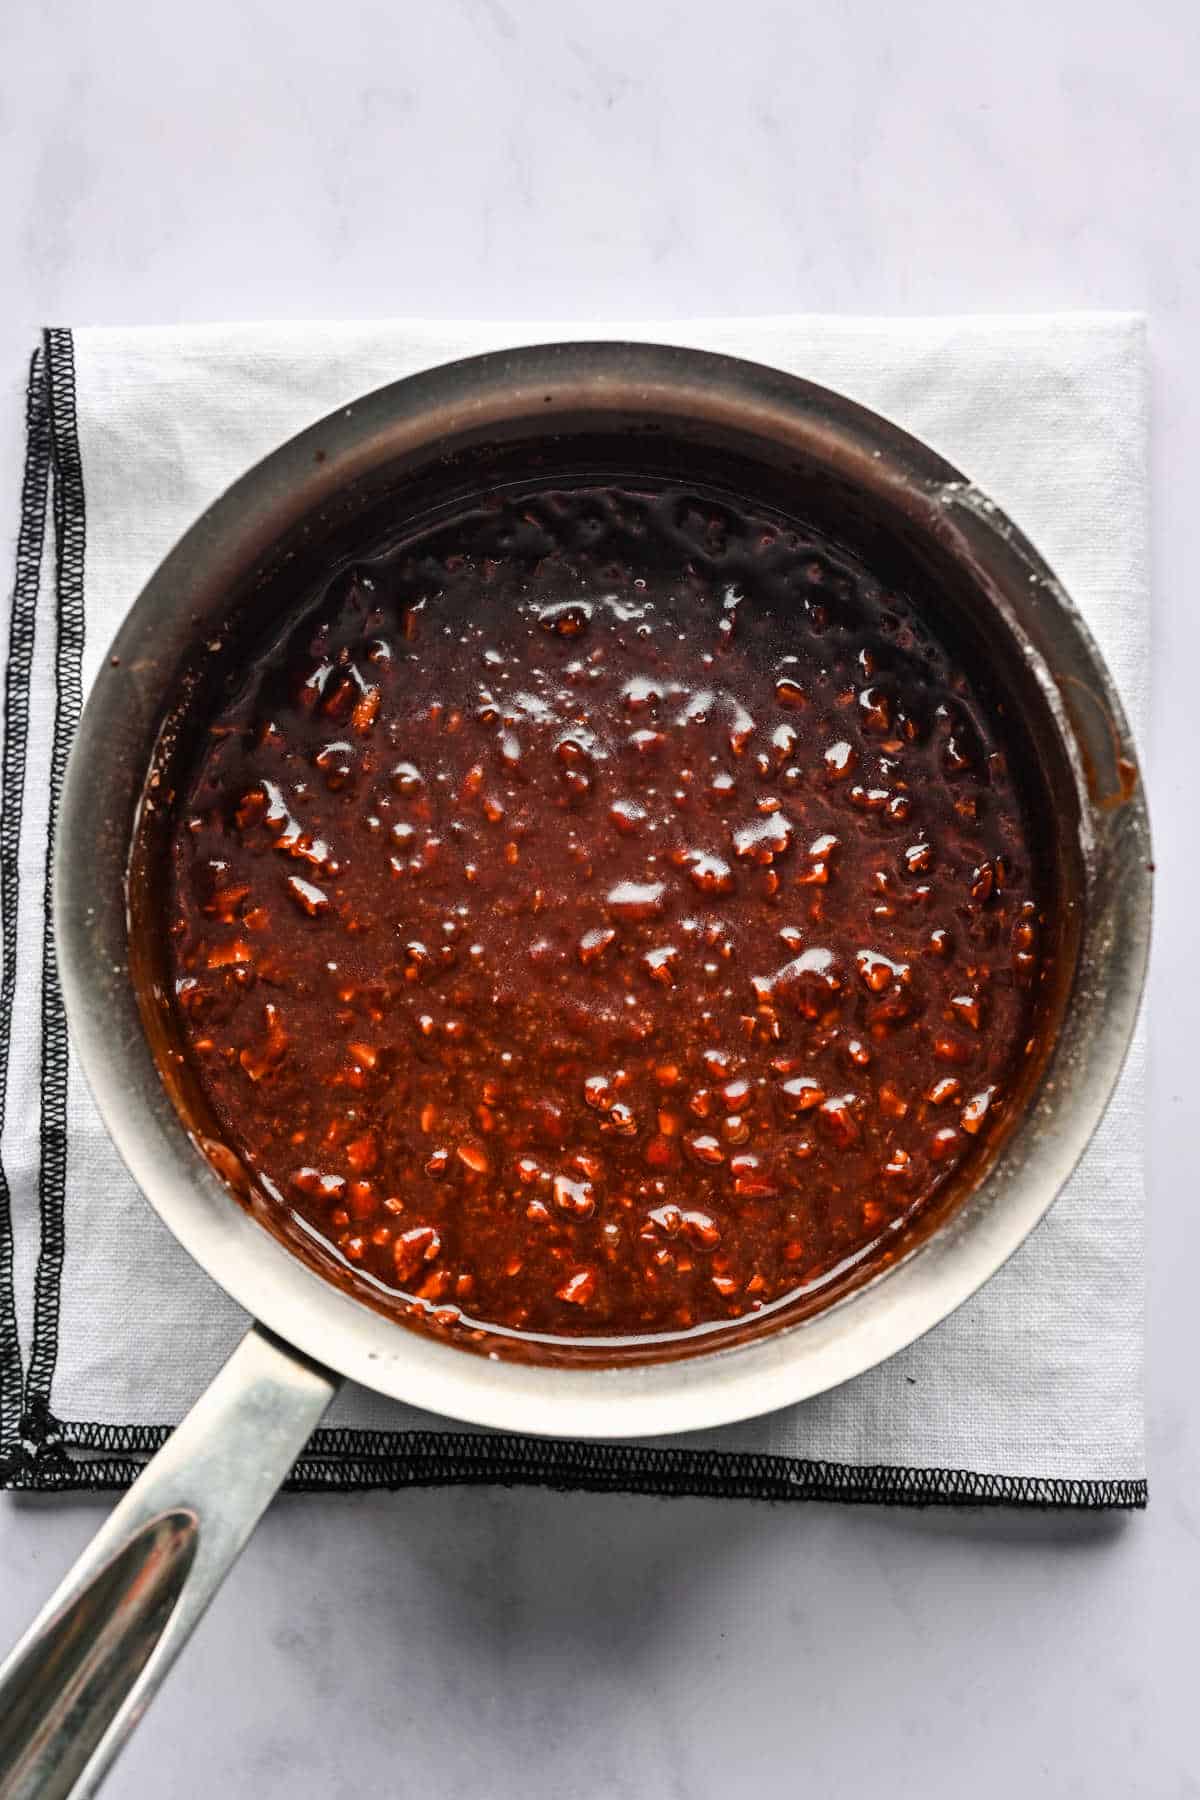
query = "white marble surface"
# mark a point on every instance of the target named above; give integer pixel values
(500, 158)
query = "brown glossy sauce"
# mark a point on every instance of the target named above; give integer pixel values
(604, 914)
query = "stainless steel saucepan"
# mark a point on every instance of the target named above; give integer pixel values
(75, 1686)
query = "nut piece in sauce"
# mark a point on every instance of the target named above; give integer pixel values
(765, 839)
(566, 618)
(579, 1288)
(634, 901)
(711, 874)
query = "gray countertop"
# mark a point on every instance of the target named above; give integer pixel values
(503, 159)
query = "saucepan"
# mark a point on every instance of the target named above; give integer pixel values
(85, 1672)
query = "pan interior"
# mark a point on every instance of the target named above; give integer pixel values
(389, 503)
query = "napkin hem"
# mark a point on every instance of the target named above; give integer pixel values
(17, 679)
(339, 1460)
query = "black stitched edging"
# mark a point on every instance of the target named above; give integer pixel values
(340, 1460)
(21, 638)
(38, 1427)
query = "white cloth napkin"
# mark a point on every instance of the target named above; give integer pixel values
(1032, 1391)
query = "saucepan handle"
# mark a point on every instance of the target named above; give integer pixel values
(80, 1679)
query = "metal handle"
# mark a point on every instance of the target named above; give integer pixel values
(85, 1671)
